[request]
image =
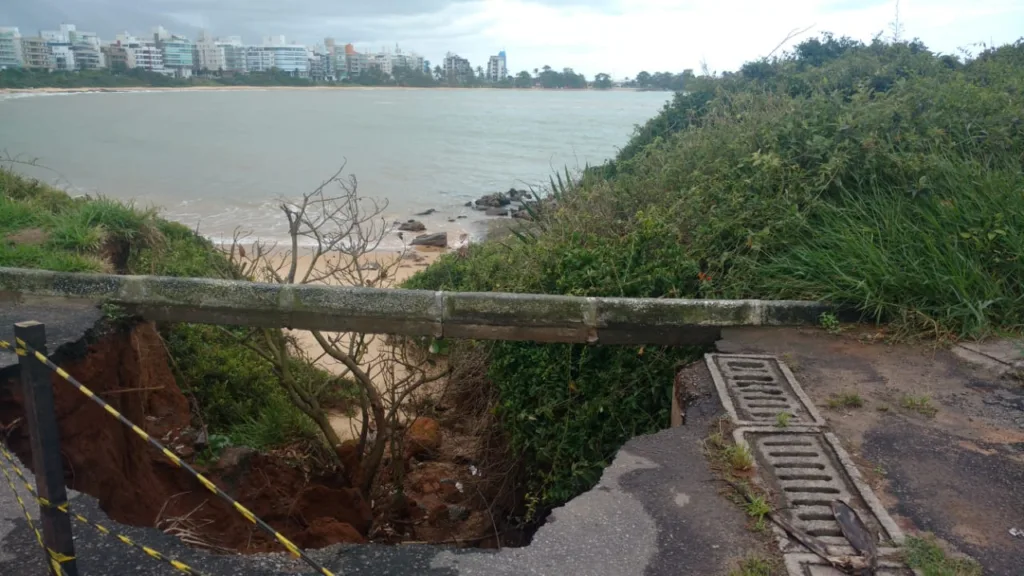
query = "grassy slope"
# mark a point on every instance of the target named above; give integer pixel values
(236, 391)
(879, 176)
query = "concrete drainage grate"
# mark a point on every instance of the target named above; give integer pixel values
(756, 389)
(811, 565)
(807, 470)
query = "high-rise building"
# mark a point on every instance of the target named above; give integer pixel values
(497, 69)
(140, 53)
(258, 60)
(37, 54)
(88, 57)
(355, 62)
(10, 49)
(63, 56)
(116, 56)
(208, 54)
(176, 52)
(457, 68)
(234, 57)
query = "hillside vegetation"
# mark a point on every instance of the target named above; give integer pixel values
(235, 391)
(882, 177)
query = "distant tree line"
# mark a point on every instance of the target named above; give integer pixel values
(545, 78)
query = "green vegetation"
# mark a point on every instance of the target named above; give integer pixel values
(830, 323)
(848, 400)
(663, 81)
(740, 457)
(235, 390)
(757, 508)
(755, 566)
(925, 555)
(881, 177)
(782, 419)
(920, 404)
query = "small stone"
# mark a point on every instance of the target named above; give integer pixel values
(425, 212)
(457, 513)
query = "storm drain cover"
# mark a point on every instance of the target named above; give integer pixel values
(811, 565)
(805, 471)
(756, 389)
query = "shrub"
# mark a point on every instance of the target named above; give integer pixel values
(878, 176)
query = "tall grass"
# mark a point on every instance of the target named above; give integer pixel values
(944, 264)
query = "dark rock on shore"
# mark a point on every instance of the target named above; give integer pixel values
(503, 211)
(501, 199)
(425, 212)
(439, 239)
(412, 226)
(496, 200)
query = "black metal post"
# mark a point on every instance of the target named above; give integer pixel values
(44, 436)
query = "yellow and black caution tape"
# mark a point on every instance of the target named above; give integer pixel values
(65, 508)
(292, 548)
(53, 557)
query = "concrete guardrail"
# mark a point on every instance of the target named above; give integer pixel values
(488, 316)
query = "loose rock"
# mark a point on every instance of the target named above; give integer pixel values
(423, 437)
(427, 212)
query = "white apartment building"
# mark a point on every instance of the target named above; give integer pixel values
(37, 53)
(209, 54)
(63, 56)
(456, 67)
(258, 60)
(141, 54)
(497, 69)
(290, 58)
(11, 55)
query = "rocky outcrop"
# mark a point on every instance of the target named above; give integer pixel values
(502, 203)
(437, 239)
(412, 226)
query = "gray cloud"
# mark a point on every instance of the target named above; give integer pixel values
(307, 21)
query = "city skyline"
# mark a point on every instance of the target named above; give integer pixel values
(612, 36)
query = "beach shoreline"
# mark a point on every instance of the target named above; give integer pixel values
(117, 89)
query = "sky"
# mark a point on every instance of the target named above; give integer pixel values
(618, 37)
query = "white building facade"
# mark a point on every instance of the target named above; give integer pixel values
(11, 55)
(497, 69)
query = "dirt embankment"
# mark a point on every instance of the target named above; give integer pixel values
(135, 484)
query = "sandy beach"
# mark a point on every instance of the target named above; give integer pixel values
(399, 266)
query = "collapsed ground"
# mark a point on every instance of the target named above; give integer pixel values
(881, 177)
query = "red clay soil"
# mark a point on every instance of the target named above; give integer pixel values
(135, 484)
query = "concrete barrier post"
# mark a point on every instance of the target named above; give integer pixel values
(44, 437)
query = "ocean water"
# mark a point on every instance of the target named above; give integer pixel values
(220, 161)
